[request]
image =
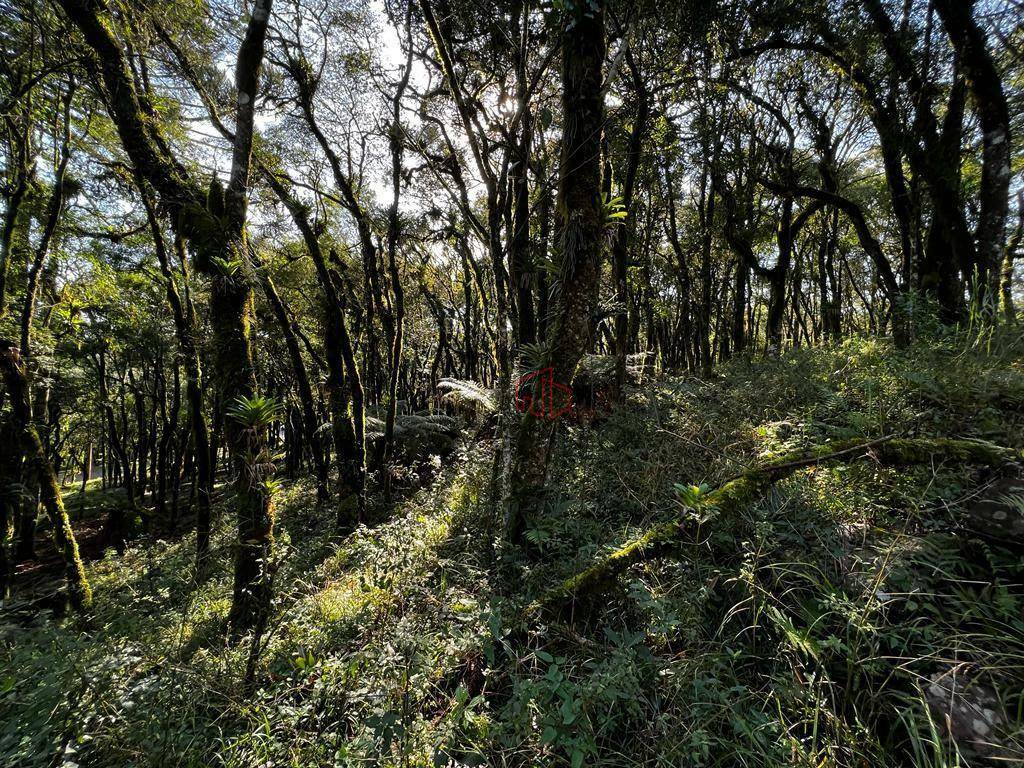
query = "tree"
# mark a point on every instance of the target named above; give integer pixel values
(214, 227)
(581, 225)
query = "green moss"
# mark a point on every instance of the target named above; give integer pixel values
(723, 506)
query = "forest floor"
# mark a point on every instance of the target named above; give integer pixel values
(857, 615)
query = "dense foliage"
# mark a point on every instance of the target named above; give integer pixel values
(583, 382)
(812, 636)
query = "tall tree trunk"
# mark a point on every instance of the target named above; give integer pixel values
(924, 148)
(343, 383)
(185, 326)
(215, 229)
(994, 116)
(10, 471)
(231, 316)
(495, 184)
(939, 269)
(183, 313)
(779, 275)
(169, 430)
(521, 269)
(13, 232)
(54, 209)
(580, 217)
(345, 399)
(395, 142)
(1006, 278)
(114, 532)
(139, 398)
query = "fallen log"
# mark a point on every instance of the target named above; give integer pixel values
(722, 505)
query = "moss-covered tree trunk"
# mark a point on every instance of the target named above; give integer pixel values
(307, 84)
(215, 230)
(231, 316)
(27, 437)
(929, 159)
(580, 218)
(344, 391)
(624, 235)
(10, 471)
(1006, 278)
(113, 529)
(521, 269)
(938, 269)
(396, 145)
(13, 232)
(349, 452)
(353, 467)
(721, 509)
(183, 313)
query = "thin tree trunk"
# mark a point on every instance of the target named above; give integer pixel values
(302, 386)
(1006, 278)
(395, 143)
(624, 234)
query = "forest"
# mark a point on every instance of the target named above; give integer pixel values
(528, 383)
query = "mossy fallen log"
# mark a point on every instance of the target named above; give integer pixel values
(722, 506)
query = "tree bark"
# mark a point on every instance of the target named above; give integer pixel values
(395, 143)
(346, 426)
(624, 234)
(1006, 278)
(12, 235)
(310, 421)
(183, 313)
(580, 218)
(994, 116)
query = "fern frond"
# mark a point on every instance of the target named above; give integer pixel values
(465, 391)
(1015, 501)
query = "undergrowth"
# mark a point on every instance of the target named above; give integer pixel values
(847, 598)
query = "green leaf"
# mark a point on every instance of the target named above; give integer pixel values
(569, 712)
(255, 412)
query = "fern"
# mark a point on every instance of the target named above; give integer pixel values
(465, 391)
(1014, 501)
(411, 423)
(374, 428)
(426, 423)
